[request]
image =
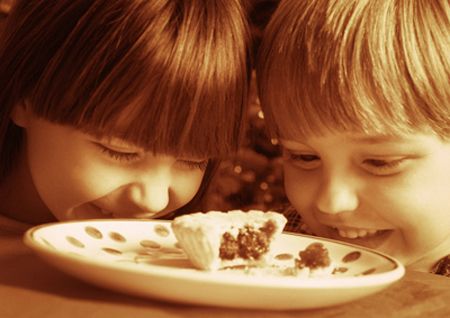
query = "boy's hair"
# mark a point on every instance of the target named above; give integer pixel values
(174, 73)
(356, 65)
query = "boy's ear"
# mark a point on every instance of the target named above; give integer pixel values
(20, 114)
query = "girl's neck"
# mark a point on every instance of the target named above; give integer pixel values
(19, 199)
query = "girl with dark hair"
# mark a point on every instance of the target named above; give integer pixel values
(117, 108)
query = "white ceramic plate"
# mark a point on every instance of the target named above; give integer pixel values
(142, 258)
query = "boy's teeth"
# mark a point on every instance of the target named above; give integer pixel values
(362, 233)
(354, 233)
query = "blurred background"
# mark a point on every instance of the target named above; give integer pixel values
(254, 178)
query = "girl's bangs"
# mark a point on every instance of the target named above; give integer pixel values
(158, 76)
(173, 126)
(181, 93)
(161, 119)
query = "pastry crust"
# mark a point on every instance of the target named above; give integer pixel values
(214, 240)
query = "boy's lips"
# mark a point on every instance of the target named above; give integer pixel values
(352, 227)
(371, 238)
(356, 232)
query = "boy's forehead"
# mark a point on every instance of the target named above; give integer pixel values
(297, 126)
(357, 137)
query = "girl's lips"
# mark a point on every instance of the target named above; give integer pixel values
(93, 211)
(87, 211)
(134, 215)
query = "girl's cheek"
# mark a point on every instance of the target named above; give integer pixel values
(99, 179)
(185, 186)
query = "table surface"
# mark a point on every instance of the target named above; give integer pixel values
(31, 288)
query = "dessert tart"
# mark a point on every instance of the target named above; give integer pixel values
(214, 240)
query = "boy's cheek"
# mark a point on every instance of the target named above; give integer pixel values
(298, 191)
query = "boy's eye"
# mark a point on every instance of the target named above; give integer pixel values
(384, 166)
(305, 161)
(193, 164)
(118, 155)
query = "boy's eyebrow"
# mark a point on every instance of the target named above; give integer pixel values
(290, 143)
(375, 139)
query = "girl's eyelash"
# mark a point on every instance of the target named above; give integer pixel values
(130, 156)
(195, 164)
(117, 155)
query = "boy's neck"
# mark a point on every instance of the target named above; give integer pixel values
(429, 260)
(19, 199)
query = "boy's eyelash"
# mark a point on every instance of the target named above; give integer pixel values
(383, 164)
(303, 157)
(381, 167)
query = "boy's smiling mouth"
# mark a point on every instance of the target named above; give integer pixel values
(371, 238)
(353, 229)
(352, 233)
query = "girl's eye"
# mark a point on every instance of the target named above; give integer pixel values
(192, 164)
(118, 155)
(305, 161)
(384, 167)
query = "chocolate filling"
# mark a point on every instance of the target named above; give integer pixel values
(249, 244)
(314, 256)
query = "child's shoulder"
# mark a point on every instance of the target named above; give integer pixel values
(295, 223)
(442, 267)
(10, 226)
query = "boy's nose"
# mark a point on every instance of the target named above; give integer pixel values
(337, 197)
(150, 195)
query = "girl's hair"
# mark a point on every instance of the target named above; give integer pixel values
(358, 65)
(170, 76)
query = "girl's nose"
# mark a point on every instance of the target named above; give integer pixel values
(150, 195)
(336, 196)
